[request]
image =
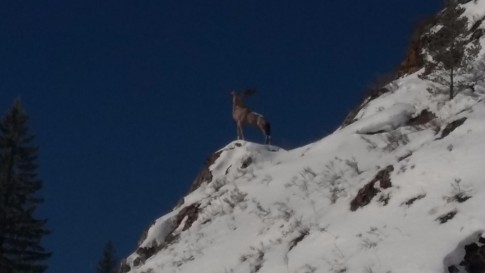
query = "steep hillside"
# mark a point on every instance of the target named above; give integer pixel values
(399, 188)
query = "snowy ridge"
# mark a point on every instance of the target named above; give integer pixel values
(399, 190)
(250, 216)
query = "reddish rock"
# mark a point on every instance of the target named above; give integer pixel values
(205, 175)
(369, 191)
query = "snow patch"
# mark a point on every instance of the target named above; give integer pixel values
(386, 120)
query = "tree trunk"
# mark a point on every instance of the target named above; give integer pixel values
(8, 188)
(452, 65)
(451, 84)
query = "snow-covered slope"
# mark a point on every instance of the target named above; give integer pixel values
(400, 189)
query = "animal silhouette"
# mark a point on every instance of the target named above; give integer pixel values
(243, 115)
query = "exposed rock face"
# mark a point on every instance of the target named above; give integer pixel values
(369, 191)
(451, 127)
(477, 32)
(474, 259)
(424, 117)
(413, 60)
(414, 56)
(350, 118)
(188, 214)
(246, 162)
(145, 253)
(372, 93)
(205, 175)
(124, 267)
(186, 217)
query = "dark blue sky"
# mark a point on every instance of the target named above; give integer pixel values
(128, 98)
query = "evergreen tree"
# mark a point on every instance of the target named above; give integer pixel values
(107, 263)
(449, 49)
(20, 231)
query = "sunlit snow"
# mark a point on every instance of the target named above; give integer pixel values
(270, 210)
